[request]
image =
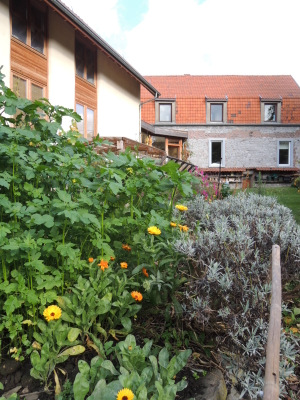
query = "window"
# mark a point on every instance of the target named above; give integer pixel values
(216, 110)
(270, 110)
(25, 88)
(171, 145)
(28, 24)
(85, 62)
(216, 113)
(165, 111)
(87, 124)
(216, 153)
(285, 158)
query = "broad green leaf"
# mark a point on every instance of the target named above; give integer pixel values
(81, 387)
(126, 322)
(73, 351)
(73, 334)
(4, 183)
(107, 364)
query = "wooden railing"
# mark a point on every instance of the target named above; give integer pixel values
(271, 383)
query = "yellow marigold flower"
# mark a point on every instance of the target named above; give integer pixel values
(294, 329)
(112, 258)
(124, 265)
(125, 394)
(91, 259)
(52, 312)
(103, 264)
(129, 348)
(145, 272)
(74, 180)
(181, 207)
(137, 296)
(126, 247)
(153, 230)
(173, 224)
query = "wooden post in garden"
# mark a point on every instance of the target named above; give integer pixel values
(271, 383)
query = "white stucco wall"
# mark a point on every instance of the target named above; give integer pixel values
(61, 64)
(118, 100)
(5, 40)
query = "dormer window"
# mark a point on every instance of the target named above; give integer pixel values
(165, 111)
(216, 110)
(270, 110)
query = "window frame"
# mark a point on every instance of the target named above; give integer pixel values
(84, 120)
(29, 83)
(210, 163)
(290, 163)
(86, 49)
(31, 4)
(172, 103)
(265, 102)
(210, 102)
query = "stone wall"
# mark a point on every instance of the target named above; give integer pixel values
(245, 146)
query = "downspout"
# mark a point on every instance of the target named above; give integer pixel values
(140, 114)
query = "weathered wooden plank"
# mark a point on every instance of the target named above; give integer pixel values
(271, 383)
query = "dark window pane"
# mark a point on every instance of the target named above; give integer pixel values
(284, 150)
(216, 152)
(90, 66)
(89, 124)
(19, 87)
(19, 20)
(216, 112)
(159, 142)
(80, 125)
(79, 59)
(173, 151)
(36, 92)
(37, 30)
(165, 112)
(270, 112)
(173, 140)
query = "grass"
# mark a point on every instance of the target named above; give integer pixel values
(286, 195)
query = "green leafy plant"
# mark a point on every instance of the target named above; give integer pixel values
(147, 376)
(54, 344)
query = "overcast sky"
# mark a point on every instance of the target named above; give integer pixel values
(199, 37)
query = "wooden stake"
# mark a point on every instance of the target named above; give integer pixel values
(271, 383)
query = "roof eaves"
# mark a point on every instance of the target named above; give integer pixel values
(102, 43)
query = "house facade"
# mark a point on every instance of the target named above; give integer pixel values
(48, 51)
(228, 123)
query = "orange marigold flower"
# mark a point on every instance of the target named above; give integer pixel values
(294, 329)
(91, 259)
(183, 228)
(124, 265)
(173, 224)
(126, 247)
(103, 264)
(137, 296)
(145, 272)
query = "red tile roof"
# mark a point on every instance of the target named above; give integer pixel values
(220, 86)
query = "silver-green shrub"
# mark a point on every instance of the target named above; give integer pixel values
(229, 289)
